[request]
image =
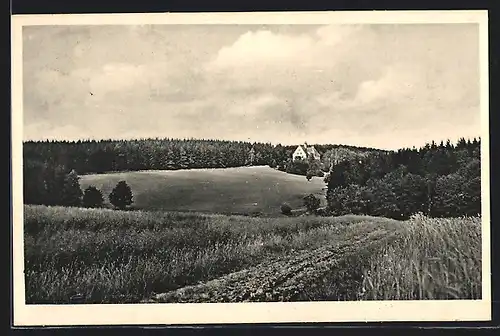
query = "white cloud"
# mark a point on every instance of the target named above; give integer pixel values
(396, 83)
(118, 76)
(263, 47)
(252, 105)
(324, 83)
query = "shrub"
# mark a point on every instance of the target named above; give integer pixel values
(311, 202)
(298, 167)
(286, 209)
(92, 198)
(121, 195)
(351, 199)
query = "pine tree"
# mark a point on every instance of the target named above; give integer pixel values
(71, 191)
(54, 177)
(92, 198)
(34, 184)
(121, 195)
(449, 146)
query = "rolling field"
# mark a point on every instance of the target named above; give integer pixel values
(242, 190)
(75, 255)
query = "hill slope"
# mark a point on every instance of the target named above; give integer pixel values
(231, 190)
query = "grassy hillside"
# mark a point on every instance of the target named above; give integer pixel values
(232, 190)
(108, 256)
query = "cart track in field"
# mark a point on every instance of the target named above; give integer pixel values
(282, 279)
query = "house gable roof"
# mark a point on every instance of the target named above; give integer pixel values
(300, 148)
(307, 150)
(312, 150)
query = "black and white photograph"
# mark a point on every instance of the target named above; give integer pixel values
(244, 167)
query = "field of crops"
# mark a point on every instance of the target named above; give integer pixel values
(432, 259)
(107, 256)
(243, 190)
(427, 259)
(291, 278)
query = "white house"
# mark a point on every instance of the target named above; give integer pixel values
(302, 152)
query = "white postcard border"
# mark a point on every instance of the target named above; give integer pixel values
(219, 313)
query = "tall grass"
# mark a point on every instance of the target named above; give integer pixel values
(111, 256)
(117, 256)
(432, 259)
(425, 259)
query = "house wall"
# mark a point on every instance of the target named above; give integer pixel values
(304, 154)
(299, 152)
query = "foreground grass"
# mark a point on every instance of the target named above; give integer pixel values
(114, 256)
(427, 259)
(298, 276)
(118, 257)
(433, 259)
(430, 259)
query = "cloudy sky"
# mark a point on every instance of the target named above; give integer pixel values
(385, 86)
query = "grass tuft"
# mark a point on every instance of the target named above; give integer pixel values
(432, 259)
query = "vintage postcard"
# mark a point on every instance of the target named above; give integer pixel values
(250, 168)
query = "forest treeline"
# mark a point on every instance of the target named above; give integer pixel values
(439, 180)
(160, 154)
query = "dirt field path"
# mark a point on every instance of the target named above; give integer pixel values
(282, 279)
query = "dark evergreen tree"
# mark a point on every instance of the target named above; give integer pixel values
(71, 191)
(92, 198)
(35, 190)
(121, 195)
(54, 177)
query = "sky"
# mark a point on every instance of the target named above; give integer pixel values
(383, 86)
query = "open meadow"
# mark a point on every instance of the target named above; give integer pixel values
(75, 255)
(243, 190)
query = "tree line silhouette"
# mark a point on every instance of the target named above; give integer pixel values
(99, 156)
